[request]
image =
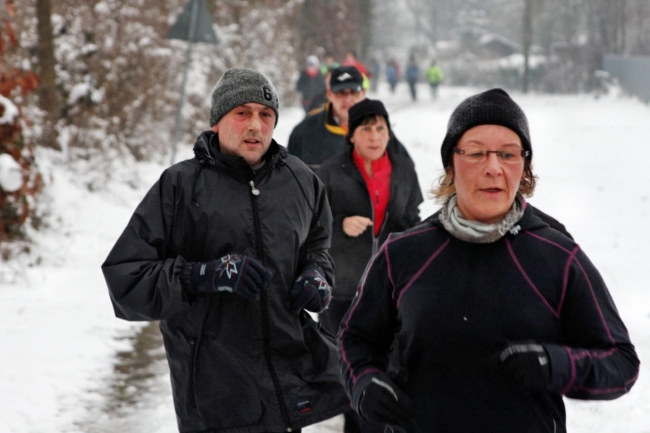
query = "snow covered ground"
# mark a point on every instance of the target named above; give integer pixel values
(67, 365)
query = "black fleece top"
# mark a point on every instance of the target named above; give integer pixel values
(454, 305)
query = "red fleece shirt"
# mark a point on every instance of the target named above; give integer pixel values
(378, 186)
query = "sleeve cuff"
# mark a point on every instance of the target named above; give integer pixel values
(360, 386)
(563, 369)
(189, 293)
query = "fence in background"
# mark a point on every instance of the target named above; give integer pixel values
(632, 73)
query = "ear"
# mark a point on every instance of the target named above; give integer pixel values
(215, 128)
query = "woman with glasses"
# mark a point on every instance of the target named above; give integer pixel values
(496, 315)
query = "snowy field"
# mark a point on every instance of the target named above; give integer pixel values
(64, 355)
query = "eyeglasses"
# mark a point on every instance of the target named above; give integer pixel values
(475, 154)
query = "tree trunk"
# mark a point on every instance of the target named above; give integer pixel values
(48, 95)
(527, 41)
(365, 29)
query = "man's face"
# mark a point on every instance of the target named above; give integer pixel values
(342, 101)
(247, 131)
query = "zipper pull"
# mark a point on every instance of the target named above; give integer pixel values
(254, 190)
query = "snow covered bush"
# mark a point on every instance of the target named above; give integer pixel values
(20, 179)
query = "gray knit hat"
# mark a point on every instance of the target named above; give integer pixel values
(238, 86)
(493, 107)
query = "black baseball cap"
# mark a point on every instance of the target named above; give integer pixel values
(346, 77)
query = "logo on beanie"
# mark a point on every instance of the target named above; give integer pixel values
(268, 94)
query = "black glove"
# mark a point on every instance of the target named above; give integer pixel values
(383, 402)
(528, 363)
(310, 291)
(233, 273)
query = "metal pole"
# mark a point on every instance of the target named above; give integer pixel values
(188, 54)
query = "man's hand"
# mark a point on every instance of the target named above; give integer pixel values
(310, 291)
(528, 363)
(232, 273)
(353, 226)
(383, 402)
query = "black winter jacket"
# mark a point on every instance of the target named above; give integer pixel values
(348, 195)
(310, 86)
(317, 138)
(454, 306)
(236, 365)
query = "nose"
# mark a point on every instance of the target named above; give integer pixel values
(348, 97)
(255, 123)
(492, 164)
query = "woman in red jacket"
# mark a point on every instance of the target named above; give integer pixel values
(372, 192)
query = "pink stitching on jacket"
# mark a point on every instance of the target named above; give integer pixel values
(572, 378)
(528, 280)
(421, 270)
(353, 307)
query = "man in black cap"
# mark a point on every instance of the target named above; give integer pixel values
(227, 250)
(321, 134)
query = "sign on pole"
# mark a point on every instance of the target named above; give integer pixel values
(192, 25)
(203, 31)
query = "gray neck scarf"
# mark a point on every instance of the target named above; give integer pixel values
(477, 232)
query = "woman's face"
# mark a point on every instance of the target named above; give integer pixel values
(370, 140)
(485, 190)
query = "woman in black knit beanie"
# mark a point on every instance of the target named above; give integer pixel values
(372, 192)
(496, 315)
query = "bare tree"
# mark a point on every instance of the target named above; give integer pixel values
(327, 27)
(527, 41)
(365, 28)
(48, 96)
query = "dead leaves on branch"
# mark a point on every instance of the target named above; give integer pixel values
(16, 206)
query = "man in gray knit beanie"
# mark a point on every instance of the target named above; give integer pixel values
(229, 251)
(238, 86)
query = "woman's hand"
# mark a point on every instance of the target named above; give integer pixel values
(355, 225)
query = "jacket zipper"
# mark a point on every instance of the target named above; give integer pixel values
(193, 353)
(195, 343)
(375, 239)
(266, 337)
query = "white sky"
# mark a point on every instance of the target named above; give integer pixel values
(59, 336)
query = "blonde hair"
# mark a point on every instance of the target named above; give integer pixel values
(446, 185)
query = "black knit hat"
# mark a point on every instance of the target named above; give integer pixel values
(493, 107)
(361, 110)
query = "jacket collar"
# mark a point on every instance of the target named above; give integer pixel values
(529, 221)
(330, 123)
(207, 152)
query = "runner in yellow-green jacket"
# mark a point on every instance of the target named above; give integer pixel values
(434, 77)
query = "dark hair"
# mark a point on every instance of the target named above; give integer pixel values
(370, 119)
(364, 109)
